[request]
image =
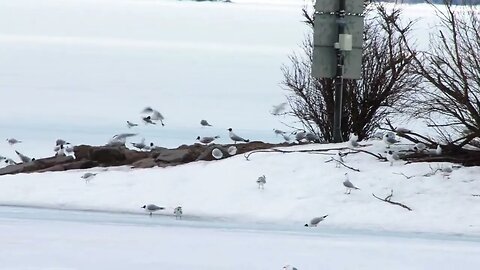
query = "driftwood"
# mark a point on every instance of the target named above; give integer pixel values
(309, 151)
(388, 200)
(343, 164)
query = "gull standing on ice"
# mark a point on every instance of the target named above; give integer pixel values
(235, 137)
(130, 124)
(314, 222)
(205, 123)
(13, 141)
(178, 212)
(24, 158)
(348, 184)
(152, 208)
(207, 140)
(261, 181)
(88, 176)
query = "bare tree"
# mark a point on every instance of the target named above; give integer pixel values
(386, 80)
(451, 70)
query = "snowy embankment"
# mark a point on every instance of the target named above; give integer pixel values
(299, 186)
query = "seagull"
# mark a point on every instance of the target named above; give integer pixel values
(178, 212)
(286, 137)
(157, 116)
(88, 176)
(235, 137)
(438, 151)
(289, 267)
(130, 124)
(69, 150)
(148, 120)
(278, 131)
(24, 158)
(311, 137)
(353, 141)
(205, 123)
(10, 161)
(261, 181)
(59, 142)
(140, 145)
(152, 208)
(339, 160)
(60, 152)
(207, 140)
(300, 135)
(348, 184)
(392, 157)
(154, 116)
(13, 141)
(446, 171)
(389, 139)
(377, 135)
(314, 222)
(120, 139)
(419, 147)
(279, 109)
(402, 130)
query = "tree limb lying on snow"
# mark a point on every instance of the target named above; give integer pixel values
(344, 165)
(247, 155)
(388, 200)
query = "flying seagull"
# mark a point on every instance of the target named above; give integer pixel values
(13, 141)
(235, 137)
(279, 109)
(205, 123)
(130, 124)
(152, 208)
(348, 184)
(314, 222)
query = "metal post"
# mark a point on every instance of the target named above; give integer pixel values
(337, 115)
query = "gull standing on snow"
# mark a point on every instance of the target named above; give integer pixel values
(13, 141)
(353, 141)
(152, 208)
(235, 137)
(261, 181)
(24, 158)
(130, 124)
(389, 139)
(205, 123)
(314, 222)
(178, 212)
(339, 159)
(207, 140)
(348, 184)
(88, 176)
(279, 109)
(392, 157)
